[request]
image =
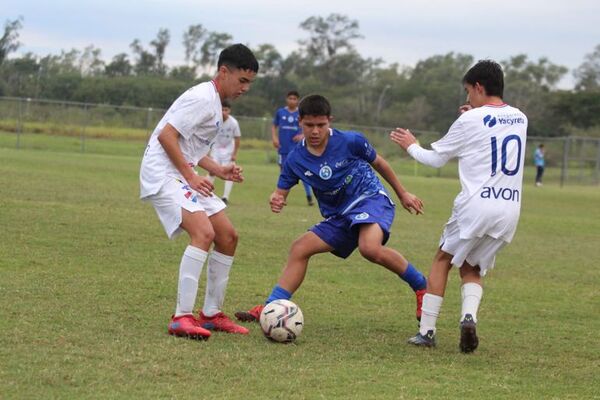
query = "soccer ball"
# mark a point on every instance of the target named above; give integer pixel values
(282, 321)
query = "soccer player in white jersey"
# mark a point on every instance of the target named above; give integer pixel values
(226, 146)
(184, 200)
(488, 139)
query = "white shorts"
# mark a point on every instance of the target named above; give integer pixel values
(479, 251)
(222, 158)
(176, 194)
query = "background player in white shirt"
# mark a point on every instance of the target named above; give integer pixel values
(227, 144)
(489, 141)
(184, 200)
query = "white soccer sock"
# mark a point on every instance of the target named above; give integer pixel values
(211, 177)
(471, 297)
(429, 312)
(227, 189)
(216, 282)
(189, 274)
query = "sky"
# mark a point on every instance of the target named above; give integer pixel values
(397, 31)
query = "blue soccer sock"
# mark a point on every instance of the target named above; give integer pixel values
(414, 278)
(278, 293)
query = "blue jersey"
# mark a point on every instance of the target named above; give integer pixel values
(538, 158)
(288, 126)
(340, 177)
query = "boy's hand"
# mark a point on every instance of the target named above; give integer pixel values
(277, 202)
(411, 202)
(201, 184)
(232, 172)
(298, 137)
(402, 137)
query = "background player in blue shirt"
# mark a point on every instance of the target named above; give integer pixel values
(357, 209)
(286, 133)
(540, 164)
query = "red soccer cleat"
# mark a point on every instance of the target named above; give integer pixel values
(252, 315)
(187, 326)
(221, 322)
(420, 294)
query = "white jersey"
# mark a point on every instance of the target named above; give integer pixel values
(489, 143)
(225, 140)
(197, 116)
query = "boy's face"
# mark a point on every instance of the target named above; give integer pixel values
(291, 102)
(226, 112)
(315, 129)
(476, 95)
(235, 82)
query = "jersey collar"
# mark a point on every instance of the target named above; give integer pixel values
(495, 105)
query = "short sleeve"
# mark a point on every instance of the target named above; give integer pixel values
(190, 114)
(276, 118)
(287, 177)
(361, 148)
(453, 142)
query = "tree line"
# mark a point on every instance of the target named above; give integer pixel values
(364, 91)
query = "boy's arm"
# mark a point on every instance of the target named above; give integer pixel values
(169, 140)
(275, 136)
(231, 172)
(278, 200)
(409, 201)
(408, 142)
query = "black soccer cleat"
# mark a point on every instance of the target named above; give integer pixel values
(427, 340)
(468, 335)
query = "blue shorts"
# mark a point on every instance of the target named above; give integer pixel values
(341, 232)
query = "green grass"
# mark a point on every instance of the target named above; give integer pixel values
(88, 282)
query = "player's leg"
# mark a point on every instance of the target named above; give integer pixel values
(370, 245)
(218, 269)
(293, 273)
(471, 293)
(301, 251)
(373, 218)
(433, 299)
(201, 234)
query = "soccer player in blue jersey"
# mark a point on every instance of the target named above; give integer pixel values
(286, 133)
(357, 209)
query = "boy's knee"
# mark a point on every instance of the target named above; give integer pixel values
(470, 273)
(371, 252)
(204, 235)
(299, 249)
(231, 237)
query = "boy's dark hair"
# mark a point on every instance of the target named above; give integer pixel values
(315, 105)
(488, 74)
(293, 93)
(225, 104)
(238, 56)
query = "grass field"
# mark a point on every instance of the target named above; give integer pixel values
(88, 283)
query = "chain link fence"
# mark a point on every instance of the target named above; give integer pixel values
(101, 128)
